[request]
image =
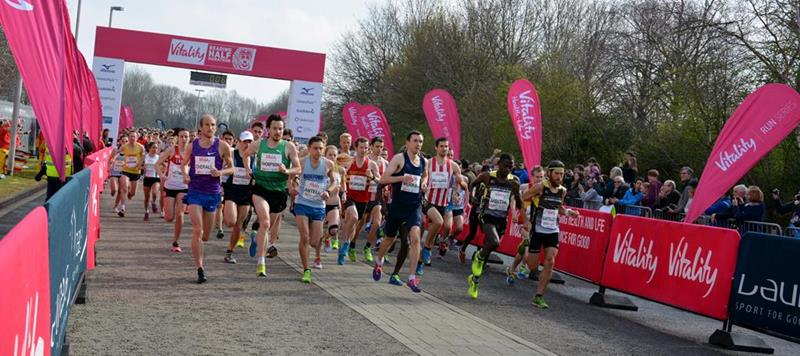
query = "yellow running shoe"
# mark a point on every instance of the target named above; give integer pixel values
(261, 270)
(240, 242)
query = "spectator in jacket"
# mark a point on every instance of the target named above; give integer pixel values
(687, 179)
(520, 172)
(751, 211)
(591, 198)
(632, 199)
(668, 196)
(720, 208)
(792, 206)
(651, 198)
(618, 191)
(578, 184)
(630, 168)
(610, 183)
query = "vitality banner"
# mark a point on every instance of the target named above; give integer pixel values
(442, 114)
(374, 124)
(582, 244)
(526, 114)
(351, 121)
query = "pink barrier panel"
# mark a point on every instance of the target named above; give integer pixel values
(686, 266)
(582, 244)
(25, 291)
(93, 223)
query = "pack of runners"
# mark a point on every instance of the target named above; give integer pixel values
(246, 182)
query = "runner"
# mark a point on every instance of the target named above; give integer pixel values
(345, 153)
(257, 128)
(152, 183)
(117, 159)
(131, 171)
(227, 136)
(333, 206)
(203, 164)
(359, 173)
(530, 202)
(443, 172)
(476, 190)
(238, 194)
(317, 183)
(375, 207)
(273, 158)
(456, 206)
(408, 178)
(493, 208)
(545, 226)
(174, 187)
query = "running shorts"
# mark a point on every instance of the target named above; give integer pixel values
(538, 240)
(441, 209)
(329, 208)
(241, 195)
(499, 224)
(149, 181)
(131, 176)
(313, 214)
(276, 199)
(172, 193)
(361, 208)
(399, 215)
(209, 202)
(458, 212)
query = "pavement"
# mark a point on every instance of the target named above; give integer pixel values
(142, 300)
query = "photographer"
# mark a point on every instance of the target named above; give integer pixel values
(792, 206)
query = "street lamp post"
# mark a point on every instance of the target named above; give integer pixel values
(111, 13)
(197, 117)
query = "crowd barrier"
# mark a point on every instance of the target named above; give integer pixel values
(43, 261)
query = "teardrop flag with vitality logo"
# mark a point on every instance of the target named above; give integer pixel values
(442, 114)
(350, 118)
(759, 124)
(373, 123)
(526, 115)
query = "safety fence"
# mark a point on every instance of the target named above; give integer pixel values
(43, 261)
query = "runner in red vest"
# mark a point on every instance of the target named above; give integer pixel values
(359, 174)
(376, 202)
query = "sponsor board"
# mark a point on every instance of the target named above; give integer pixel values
(110, 74)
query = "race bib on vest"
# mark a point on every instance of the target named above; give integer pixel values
(373, 187)
(549, 218)
(270, 162)
(150, 171)
(358, 183)
(312, 190)
(240, 176)
(203, 165)
(412, 187)
(498, 200)
(439, 180)
(118, 164)
(131, 161)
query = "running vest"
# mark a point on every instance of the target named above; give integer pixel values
(457, 199)
(313, 182)
(408, 195)
(373, 185)
(268, 160)
(133, 155)
(358, 182)
(497, 196)
(203, 159)
(150, 170)
(116, 167)
(546, 216)
(239, 176)
(440, 178)
(174, 179)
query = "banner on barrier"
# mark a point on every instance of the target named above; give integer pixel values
(93, 223)
(582, 244)
(686, 266)
(24, 297)
(765, 287)
(67, 213)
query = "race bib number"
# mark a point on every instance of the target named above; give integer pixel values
(313, 190)
(240, 176)
(373, 187)
(203, 165)
(118, 164)
(550, 218)
(150, 171)
(175, 170)
(358, 183)
(270, 162)
(131, 161)
(412, 187)
(439, 180)
(498, 200)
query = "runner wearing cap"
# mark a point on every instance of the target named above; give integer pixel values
(237, 194)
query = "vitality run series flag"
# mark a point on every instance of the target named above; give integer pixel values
(526, 114)
(760, 123)
(442, 114)
(351, 122)
(373, 123)
(35, 34)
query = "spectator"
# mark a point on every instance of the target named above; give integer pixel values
(520, 172)
(577, 186)
(5, 144)
(618, 191)
(690, 193)
(591, 198)
(668, 197)
(739, 197)
(790, 207)
(77, 153)
(751, 211)
(687, 179)
(651, 197)
(610, 182)
(593, 168)
(468, 172)
(632, 199)
(720, 210)
(630, 168)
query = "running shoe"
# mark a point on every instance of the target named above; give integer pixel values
(539, 302)
(473, 287)
(522, 273)
(154, 207)
(395, 280)
(351, 253)
(318, 263)
(261, 270)
(306, 276)
(426, 256)
(175, 247)
(146, 216)
(414, 285)
(328, 247)
(377, 272)
(510, 277)
(368, 255)
(477, 265)
(420, 269)
(335, 244)
(342, 254)
(240, 242)
(201, 276)
(220, 234)
(462, 256)
(121, 211)
(230, 259)
(253, 245)
(442, 248)
(115, 210)
(272, 251)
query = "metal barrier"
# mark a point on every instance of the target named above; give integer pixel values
(762, 227)
(636, 210)
(666, 215)
(579, 203)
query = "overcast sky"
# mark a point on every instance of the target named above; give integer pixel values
(299, 24)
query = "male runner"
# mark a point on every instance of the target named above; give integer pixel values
(409, 179)
(317, 182)
(131, 171)
(529, 203)
(443, 172)
(545, 226)
(345, 152)
(202, 166)
(237, 195)
(493, 209)
(458, 200)
(273, 158)
(374, 212)
(174, 187)
(360, 172)
(257, 128)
